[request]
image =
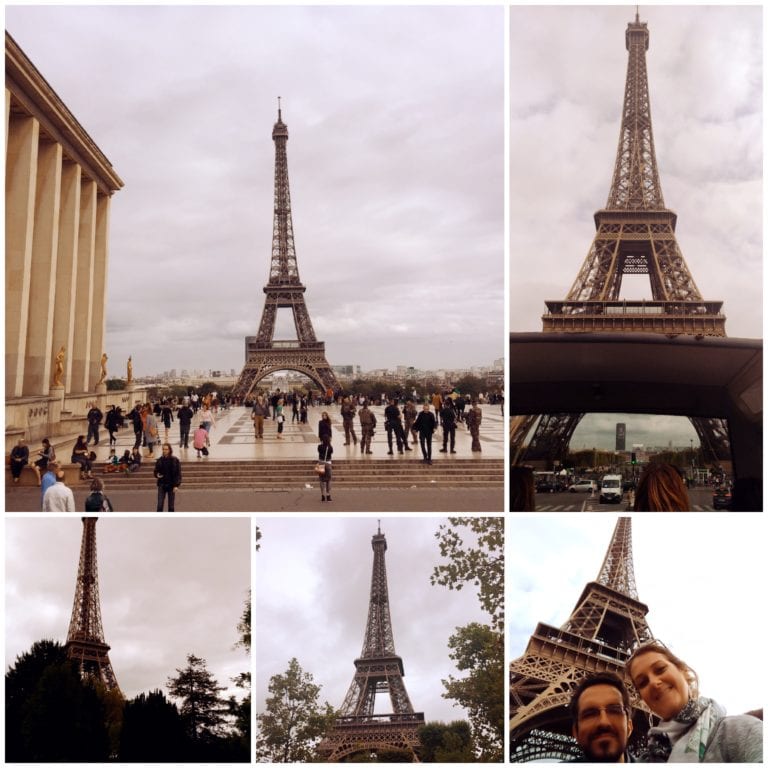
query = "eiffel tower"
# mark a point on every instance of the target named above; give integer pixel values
(635, 236)
(607, 623)
(379, 669)
(264, 354)
(85, 639)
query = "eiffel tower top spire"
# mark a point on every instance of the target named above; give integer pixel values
(379, 640)
(617, 570)
(635, 185)
(284, 268)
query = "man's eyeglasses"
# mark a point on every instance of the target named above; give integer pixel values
(593, 713)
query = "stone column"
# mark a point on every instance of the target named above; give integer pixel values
(83, 296)
(37, 371)
(66, 267)
(20, 176)
(98, 315)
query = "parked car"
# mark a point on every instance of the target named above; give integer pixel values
(721, 498)
(583, 486)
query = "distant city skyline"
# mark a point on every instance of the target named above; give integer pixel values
(397, 195)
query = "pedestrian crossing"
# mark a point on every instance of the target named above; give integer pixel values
(600, 508)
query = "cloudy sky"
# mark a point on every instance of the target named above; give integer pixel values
(698, 577)
(168, 588)
(566, 93)
(313, 578)
(395, 157)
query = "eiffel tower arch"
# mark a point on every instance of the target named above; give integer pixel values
(263, 353)
(85, 638)
(606, 624)
(378, 670)
(635, 236)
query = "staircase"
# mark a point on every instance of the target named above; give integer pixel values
(296, 474)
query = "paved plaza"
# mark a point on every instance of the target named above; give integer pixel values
(233, 440)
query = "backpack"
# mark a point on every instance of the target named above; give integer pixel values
(98, 502)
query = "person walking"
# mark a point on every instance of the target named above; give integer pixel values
(59, 498)
(410, 412)
(280, 418)
(474, 419)
(49, 479)
(324, 455)
(199, 440)
(168, 474)
(151, 435)
(96, 500)
(94, 417)
(258, 413)
(425, 425)
(449, 426)
(113, 421)
(184, 416)
(324, 427)
(367, 427)
(394, 425)
(348, 412)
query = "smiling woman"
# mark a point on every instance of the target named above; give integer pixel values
(693, 728)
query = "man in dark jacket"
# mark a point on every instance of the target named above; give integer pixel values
(94, 417)
(449, 426)
(393, 423)
(184, 415)
(425, 425)
(168, 474)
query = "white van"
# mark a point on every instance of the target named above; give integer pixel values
(610, 488)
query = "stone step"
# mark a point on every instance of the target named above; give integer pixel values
(297, 474)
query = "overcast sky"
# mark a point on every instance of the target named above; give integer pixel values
(698, 574)
(395, 157)
(313, 580)
(567, 75)
(168, 588)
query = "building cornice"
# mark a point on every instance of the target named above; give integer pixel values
(33, 95)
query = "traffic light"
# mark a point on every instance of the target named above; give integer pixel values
(634, 458)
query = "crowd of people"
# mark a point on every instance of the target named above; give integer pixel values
(407, 419)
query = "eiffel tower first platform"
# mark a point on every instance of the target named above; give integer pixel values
(606, 624)
(263, 353)
(378, 670)
(635, 236)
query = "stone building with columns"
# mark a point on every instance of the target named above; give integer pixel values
(58, 191)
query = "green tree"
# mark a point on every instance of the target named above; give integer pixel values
(481, 563)
(294, 721)
(478, 649)
(470, 385)
(441, 743)
(115, 385)
(241, 710)
(153, 731)
(52, 714)
(202, 711)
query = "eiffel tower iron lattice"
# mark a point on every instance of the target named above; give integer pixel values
(607, 623)
(85, 638)
(264, 354)
(378, 670)
(635, 235)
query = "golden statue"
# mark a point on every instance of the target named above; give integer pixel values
(58, 371)
(104, 359)
(130, 370)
